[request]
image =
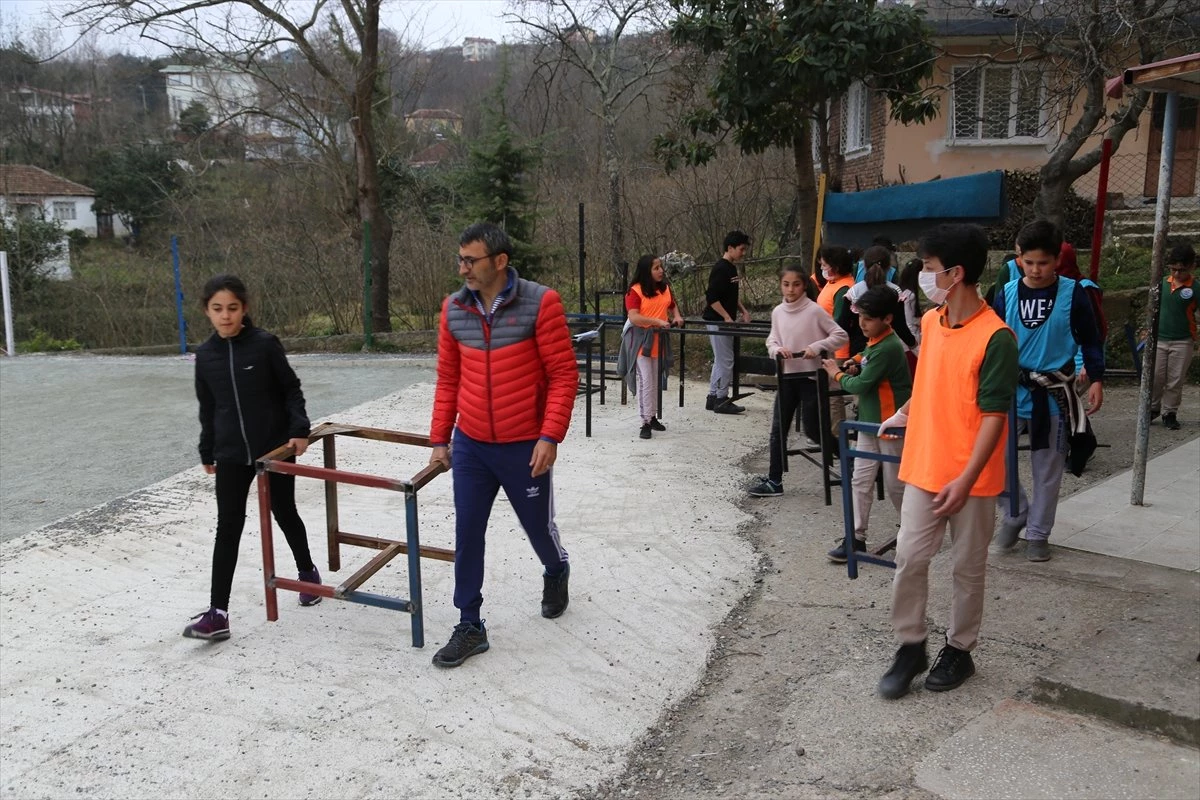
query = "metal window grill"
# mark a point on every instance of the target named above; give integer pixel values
(997, 103)
(855, 122)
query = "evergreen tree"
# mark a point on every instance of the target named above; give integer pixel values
(496, 185)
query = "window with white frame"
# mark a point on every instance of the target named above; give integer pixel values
(64, 210)
(996, 103)
(856, 120)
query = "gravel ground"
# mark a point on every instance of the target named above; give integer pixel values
(787, 705)
(79, 430)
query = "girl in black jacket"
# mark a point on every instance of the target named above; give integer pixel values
(250, 404)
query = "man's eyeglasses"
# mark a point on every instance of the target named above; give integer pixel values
(469, 261)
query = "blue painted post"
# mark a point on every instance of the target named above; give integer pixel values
(414, 568)
(179, 296)
(847, 501)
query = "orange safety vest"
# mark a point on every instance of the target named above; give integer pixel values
(826, 300)
(944, 414)
(655, 307)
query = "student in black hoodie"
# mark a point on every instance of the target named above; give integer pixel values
(250, 404)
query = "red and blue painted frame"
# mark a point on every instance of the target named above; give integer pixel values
(278, 460)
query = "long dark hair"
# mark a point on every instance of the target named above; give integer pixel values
(810, 286)
(877, 259)
(908, 279)
(643, 277)
(227, 283)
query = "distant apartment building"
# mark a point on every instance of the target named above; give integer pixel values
(478, 49)
(223, 93)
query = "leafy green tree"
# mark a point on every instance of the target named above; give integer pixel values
(779, 62)
(496, 184)
(30, 242)
(194, 119)
(135, 182)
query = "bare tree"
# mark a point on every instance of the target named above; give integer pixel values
(616, 47)
(338, 41)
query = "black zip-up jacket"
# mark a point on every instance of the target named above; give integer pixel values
(250, 399)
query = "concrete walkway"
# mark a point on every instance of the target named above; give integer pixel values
(1164, 531)
(102, 696)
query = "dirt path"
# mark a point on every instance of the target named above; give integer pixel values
(788, 708)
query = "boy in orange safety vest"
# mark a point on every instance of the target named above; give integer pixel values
(953, 460)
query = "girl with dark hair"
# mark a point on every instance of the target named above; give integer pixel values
(800, 332)
(910, 298)
(877, 263)
(250, 404)
(837, 268)
(651, 307)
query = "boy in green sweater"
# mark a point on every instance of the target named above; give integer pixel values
(880, 377)
(1177, 319)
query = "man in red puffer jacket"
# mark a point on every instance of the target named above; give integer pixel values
(506, 382)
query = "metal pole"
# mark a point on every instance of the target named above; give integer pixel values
(1101, 205)
(179, 296)
(368, 320)
(1162, 210)
(10, 343)
(582, 265)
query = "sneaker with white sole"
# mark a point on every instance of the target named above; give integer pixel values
(213, 626)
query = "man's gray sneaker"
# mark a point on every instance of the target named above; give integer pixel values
(1037, 550)
(1006, 539)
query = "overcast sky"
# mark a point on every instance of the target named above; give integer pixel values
(434, 22)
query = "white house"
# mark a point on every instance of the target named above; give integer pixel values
(222, 92)
(27, 191)
(476, 49)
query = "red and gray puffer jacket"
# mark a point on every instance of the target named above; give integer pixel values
(511, 380)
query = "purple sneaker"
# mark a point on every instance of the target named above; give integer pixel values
(213, 626)
(310, 576)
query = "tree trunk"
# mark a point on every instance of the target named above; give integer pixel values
(612, 166)
(369, 202)
(1052, 198)
(806, 192)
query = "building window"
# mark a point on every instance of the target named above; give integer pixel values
(179, 80)
(64, 211)
(856, 120)
(998, 103)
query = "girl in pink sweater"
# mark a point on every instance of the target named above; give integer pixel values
(800, 332)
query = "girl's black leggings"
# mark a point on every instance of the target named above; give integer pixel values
(233, 487)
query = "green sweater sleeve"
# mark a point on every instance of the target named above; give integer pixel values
(873, 372)
(998, 373)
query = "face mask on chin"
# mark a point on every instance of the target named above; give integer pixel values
(928, 283)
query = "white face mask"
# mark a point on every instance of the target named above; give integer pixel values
(827, 273)
(928, 283)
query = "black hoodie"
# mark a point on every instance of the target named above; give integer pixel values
(250, 399)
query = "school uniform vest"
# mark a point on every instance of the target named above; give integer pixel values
(656, 307)
(944, 415)
(1048, 347)
(826, 300)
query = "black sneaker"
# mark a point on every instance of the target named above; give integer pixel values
(554, 593)
(655, 425)
(466, 641)
(838, 554)
(726, 406)
(910, 662)
(710, 402)
(644, 433)
(1170, 422)
(767, 488)
(950, 671)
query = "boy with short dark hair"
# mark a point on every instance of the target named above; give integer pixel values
(722, 304)
(1053, 318)
(1178, 318)
(880, 378)
(953, 460)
